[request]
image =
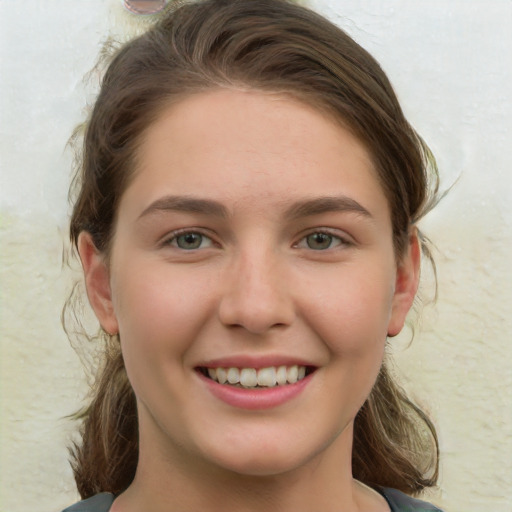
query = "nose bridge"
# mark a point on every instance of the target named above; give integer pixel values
(256, 296)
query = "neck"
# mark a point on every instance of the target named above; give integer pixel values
(172, 483)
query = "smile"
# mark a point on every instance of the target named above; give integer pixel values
(253, 378)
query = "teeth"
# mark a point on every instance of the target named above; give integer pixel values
(281, 375)
(264, 377)
(248, 377)
(292, 374)
(222, 375)
(233, 376)
(267, 377)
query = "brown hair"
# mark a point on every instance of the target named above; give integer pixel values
(270, 45)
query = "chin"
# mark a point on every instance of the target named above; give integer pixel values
(261, 466)
(274, 455)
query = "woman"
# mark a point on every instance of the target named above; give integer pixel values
(246, 224)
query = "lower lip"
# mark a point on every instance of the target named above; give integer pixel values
(255, 399)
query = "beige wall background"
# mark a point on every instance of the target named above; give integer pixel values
(451, 66)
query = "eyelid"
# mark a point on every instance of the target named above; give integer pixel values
(167, 240)
(345, 239)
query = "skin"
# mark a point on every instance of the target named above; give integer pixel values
(254, 286)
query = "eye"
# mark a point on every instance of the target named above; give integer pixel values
(320, 241)
(190, 241)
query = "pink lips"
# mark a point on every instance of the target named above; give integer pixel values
(255, 399)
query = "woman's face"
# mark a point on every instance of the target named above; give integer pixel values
(253, 243)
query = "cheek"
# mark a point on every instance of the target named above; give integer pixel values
(160, 309)
(351, 314)
(159, 318)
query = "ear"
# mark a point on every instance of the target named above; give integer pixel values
(406, 285)
(97, 283)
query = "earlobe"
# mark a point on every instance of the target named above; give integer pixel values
(406, 285)
(97, 283)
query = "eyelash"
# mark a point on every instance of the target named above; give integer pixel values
(332, 238)
(340, 240)
(173, 239)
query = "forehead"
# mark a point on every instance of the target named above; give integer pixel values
(248, 147)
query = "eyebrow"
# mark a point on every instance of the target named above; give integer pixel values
(299, 209)
(321, 205)
(186, 204)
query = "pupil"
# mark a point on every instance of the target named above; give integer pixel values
(189, 241)
(319, 241)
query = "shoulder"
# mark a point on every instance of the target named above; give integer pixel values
(98, 503)
(400, 502)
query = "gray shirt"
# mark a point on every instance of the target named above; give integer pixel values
(397, 501)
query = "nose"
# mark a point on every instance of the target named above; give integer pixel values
(256, 296)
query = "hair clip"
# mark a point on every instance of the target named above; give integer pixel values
(144, 6)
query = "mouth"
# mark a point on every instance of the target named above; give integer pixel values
(257, 378)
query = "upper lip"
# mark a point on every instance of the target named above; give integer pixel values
(248, 361)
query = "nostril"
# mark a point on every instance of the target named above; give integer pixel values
(256, 317)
